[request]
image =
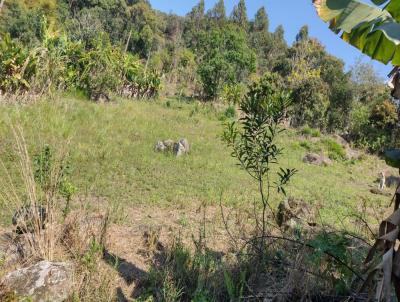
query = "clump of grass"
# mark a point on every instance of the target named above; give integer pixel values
(42, 184)
(309, 146)
(310, 132)
(335, 150)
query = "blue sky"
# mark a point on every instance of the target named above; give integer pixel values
(292, 14)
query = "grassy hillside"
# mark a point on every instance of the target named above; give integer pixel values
(112, 156)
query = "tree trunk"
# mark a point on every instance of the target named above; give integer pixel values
(127, 41)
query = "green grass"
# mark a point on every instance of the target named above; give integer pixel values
(112, 156)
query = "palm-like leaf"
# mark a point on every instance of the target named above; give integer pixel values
(374, 29)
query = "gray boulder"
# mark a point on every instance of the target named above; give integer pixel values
(159, 147)
(43, 282)
(178, 148)
(181, 147)
(10, 250)
(169, 144)
(185, 143)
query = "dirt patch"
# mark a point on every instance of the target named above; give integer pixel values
(132, 247)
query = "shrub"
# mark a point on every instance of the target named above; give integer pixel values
(384, 115)
(372, 127)
(17, 66)
(335, 150)
(232, 94)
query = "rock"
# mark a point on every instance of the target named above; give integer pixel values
(100, 97)
(352, 154)
(380, 192)
(169, 144)
(164, 146)
(340, 140)
(392, 181)
(10, 251)
(179, 149)
(43, 282)
(185, 143)
(28, 218)
(316, 159)
(159, 147)
(293, 213)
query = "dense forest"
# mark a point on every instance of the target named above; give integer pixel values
(124, 47)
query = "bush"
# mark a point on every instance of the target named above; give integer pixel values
(60, 64)
(232, 94)
(372, 127)
(335, 150)
(17, 66)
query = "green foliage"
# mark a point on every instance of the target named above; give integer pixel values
(226, 60)
(368, 27)
(230, 112)
(184, 276)
(232, 94)
(307, 131)
(239, 15)
(23, 23)
(17, 66)
(52, 175)
(309, 146)
(335, 150)
(218, 13)
(104, 48)
(261, 21)
(235, 288)
(372, 125)
(335, 245)
(100, 75)
(253, 140)
(91, 257)
(384, 115)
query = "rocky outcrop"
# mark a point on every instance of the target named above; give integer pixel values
(293, 213)
(178, 148)
(43, 282)
(350, 153)
(315, 159)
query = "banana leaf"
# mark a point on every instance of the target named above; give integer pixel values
(373, 29)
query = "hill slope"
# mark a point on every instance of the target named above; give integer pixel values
(112, 157)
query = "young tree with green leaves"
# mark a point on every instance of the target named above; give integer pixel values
(226, 59)
(218, 12)
(261, 21)
(239, 14)
(253, 140)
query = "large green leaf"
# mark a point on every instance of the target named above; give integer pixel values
(373, 30)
